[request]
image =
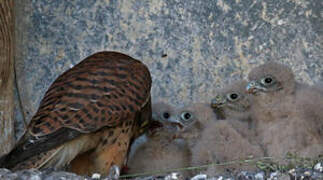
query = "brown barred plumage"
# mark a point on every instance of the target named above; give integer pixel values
(106, 91)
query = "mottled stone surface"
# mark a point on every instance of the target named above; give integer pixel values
(244, 175)
(191, 47)
(5, 174)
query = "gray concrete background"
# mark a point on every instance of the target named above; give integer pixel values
(190, 46)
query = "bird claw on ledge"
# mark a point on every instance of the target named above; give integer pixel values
(114, 173)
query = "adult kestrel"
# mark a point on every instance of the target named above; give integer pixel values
(91, 113)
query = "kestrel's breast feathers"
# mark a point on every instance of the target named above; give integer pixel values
(103, 90)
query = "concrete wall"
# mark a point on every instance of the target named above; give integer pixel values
(190, 46)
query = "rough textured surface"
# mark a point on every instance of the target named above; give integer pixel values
(243, 175)
(38, 175)
(191, 47)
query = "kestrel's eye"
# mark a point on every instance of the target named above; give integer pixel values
(233, 96)
(166, 115)
(186, 116)
(268, 80)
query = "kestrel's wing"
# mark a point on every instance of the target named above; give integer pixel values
(103, 90)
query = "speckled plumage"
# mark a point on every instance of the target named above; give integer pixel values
(100, 104)
(280, 108)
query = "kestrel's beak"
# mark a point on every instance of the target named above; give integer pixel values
(253, 87)
(154, 126)
(216, 103)
(176, 123)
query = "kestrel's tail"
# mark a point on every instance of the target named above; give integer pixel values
(26, 148)
(30, 147)
(3, 160)
(9, 160)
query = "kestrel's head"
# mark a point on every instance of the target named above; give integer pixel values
(271, 78)
(162, 113)
(231, 101)
(191, 119)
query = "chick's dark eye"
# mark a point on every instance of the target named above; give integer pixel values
(166, 115)
(187, 115)
(268, 80)
(233, 96)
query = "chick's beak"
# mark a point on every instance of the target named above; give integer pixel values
(252, 87)
(176, 123)
(154, 126)
(216, 103)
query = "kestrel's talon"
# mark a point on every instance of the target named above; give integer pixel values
(96, 176)
(114, 173)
